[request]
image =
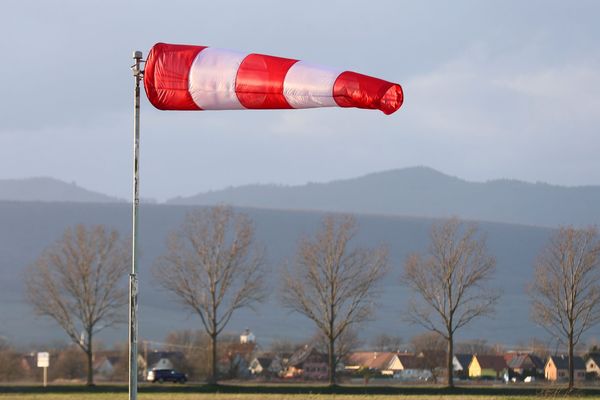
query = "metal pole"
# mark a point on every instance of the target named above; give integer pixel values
(133, 286)
(145, 358)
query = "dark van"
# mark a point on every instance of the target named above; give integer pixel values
(166, 375)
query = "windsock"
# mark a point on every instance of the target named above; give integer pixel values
(184, 77)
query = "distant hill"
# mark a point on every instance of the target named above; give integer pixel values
(415, 192)
(29, 227)
(424, 192)
(49, 189)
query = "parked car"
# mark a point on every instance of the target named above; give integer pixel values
(166, 375)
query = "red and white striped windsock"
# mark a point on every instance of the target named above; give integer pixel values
(184, 77)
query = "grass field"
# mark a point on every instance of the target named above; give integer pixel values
(233, 396)
(245, 396)
(288, 392)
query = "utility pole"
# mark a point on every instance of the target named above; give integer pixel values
(145, 358)
(133, 286)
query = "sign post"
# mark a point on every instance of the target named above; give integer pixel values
(43, 361)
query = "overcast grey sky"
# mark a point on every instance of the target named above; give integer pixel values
(492, 89)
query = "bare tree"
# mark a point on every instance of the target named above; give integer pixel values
(385, 342)
(10, 367)
(77, 282)
(282, 350)
(540, 347)
(332, 284)
(428, 341)
(430, 348)
(214, 267)
(68, 365)
(120, 368)
(345, 344)
(234, 356)
(450, 280)
(475, 346)
(566, 289)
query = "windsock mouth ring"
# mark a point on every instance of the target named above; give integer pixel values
(392, 100)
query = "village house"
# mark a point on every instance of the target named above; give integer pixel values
(433, 361)
(509, 356)
(104, 364)
(557, 368)
(236, 358)
(233, 365)
(234, 361)
(487, 366)
(28, 363)
(163, 359)
(260, 365)
(384, 363)
(460, 365)
(307, 363)
(103, 367)
(266, 365)
(412, 369)
(592, 365)
(247, 337)
(522, 365)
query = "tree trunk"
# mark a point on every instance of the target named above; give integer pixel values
(213, 359)
(331, 361)
(449, 358)
(90, 360)
(571, 363)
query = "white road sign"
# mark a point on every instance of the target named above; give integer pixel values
(43, 359)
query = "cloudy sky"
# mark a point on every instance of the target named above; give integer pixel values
(504, 89)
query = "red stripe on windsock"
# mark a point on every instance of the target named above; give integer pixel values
(259, 81)
(352, 89)
(166, 76)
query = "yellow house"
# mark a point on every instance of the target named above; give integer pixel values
(557, 368)
(487, 366)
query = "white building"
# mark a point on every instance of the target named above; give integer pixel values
(247, 337)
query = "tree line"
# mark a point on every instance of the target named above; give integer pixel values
(214, 266)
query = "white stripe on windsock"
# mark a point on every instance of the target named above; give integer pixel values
(307, 85)
(212, 79)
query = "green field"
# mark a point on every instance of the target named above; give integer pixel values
(246, 396)
(288, 392)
